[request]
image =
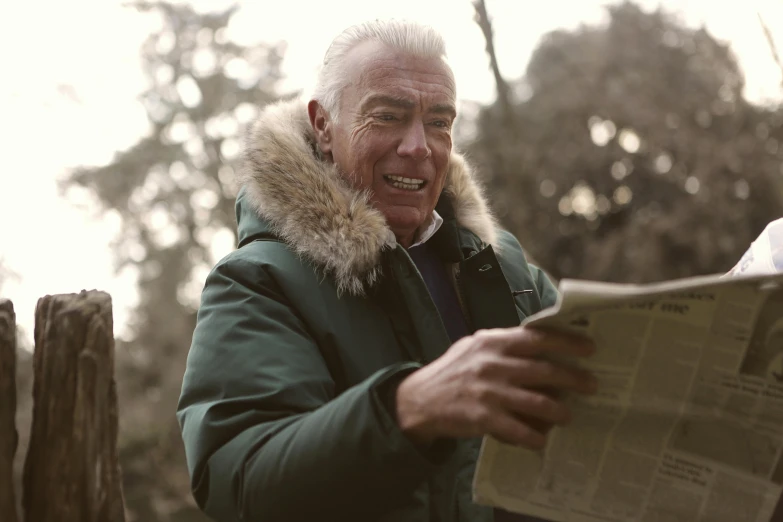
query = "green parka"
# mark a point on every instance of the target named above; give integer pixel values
(304, 331)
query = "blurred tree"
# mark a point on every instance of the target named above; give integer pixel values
(174, 193)
(637, 158)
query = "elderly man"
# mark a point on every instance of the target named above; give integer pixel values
(354, 349)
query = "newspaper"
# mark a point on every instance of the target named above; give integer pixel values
(765, 255)
(687, 425)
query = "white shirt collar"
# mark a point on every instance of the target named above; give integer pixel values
(428, 229)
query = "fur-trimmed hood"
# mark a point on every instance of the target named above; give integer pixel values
(306, 203)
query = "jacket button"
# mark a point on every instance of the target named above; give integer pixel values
(485, 268)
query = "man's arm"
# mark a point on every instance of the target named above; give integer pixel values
(265, 436)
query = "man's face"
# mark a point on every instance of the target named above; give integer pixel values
(393, 134)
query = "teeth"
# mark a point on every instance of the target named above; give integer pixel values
(401, 182)
(405, 186)
(407, 181)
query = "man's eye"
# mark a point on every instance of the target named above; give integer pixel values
(443, 124)
(386, 117)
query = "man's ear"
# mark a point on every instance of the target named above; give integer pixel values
(322, 126)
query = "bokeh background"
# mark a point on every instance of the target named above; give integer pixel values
(620, 141)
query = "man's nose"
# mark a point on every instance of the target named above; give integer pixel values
(414, 142)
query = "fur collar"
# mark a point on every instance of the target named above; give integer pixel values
(308, 205)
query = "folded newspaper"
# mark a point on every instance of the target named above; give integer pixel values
(687, 425)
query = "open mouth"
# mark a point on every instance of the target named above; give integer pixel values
(403, 183)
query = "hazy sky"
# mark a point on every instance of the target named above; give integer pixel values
(72, 100)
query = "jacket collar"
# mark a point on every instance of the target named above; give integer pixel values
(306, 203)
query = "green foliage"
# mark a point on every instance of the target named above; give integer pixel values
(631, 154)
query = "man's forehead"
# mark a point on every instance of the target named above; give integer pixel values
(374, 65)
(384, 71)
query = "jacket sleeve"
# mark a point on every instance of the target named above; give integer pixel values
(546, 289)
(265, 436)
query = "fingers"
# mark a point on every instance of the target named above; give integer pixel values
(529, 342)
(511, 430)
(532, 373)
(524, 404)
(524, 341)
(534, 405)
(516, 355)
(538, 425)
(527, 421)
(525, 417)
(501, 382)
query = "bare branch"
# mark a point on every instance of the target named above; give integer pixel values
(772, 47)
(483, 21)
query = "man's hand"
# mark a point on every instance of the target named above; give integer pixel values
(497, 383)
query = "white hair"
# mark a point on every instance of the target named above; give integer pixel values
(412, 38)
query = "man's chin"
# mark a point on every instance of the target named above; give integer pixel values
(404, 225)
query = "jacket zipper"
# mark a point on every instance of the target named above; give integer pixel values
(461, 298)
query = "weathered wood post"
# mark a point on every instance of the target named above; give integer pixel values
(71, 472)
(8, 433)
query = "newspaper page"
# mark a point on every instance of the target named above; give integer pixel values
(765, 255)
(687, 425)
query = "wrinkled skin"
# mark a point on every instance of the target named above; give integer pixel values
(395, 118)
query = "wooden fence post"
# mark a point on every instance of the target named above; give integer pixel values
(71, 472)
(8, 434)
